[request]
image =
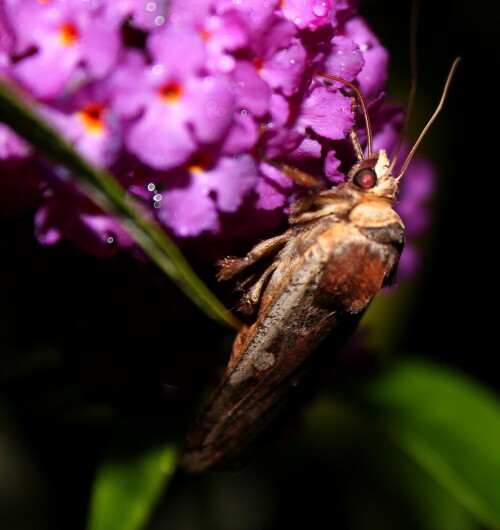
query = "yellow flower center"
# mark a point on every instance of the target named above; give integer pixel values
(68, 34)
(91, 116)
(170, 92)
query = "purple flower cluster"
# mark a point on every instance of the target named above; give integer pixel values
(182, 100)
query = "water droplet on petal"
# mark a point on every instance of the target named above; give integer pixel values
(151, 6)
(320, 9)
(110, 240)
(157, 69)
(244, 112)
(226, 63)
(208, 81)
(151, 186)
(158, 197)
(159, 21)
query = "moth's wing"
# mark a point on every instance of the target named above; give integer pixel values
(269, 360)
(325, 289)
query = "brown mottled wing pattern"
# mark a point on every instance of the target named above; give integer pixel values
(308, 295)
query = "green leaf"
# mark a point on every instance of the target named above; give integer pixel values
(127, 489)
(448, 424)
(107, 193)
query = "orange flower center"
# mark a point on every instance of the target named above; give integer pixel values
(91, 116)
(259, 63)
(205, 35)
(68, 34)
(198, 162)
(170, 92)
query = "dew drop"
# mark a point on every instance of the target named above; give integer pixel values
(292, 61)
(244, 112)
(226, 63)
(320, 9)
(159, 160)
(159, 21)
(156, 204)
(208, 81)
(151, 186)
(151, 6)
(110, 240)
(157, 69)
(158, 197)
(270, 125)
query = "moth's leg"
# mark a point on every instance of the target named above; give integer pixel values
(250, 299)
(302, 217)
(230, 266)
(304, 203)
(322, 208)
(320, 205)
(301, 177)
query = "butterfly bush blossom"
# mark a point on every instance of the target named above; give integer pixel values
(184, 102)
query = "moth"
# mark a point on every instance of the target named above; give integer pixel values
(343, 245)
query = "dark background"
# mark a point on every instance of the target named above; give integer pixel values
(454, 312)
(86, 339)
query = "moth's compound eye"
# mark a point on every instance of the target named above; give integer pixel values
(365, 178)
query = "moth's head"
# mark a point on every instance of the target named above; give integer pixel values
(373, 175)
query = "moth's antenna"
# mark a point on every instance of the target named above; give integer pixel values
(361, 100)
(413, 80)
(431, 121)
